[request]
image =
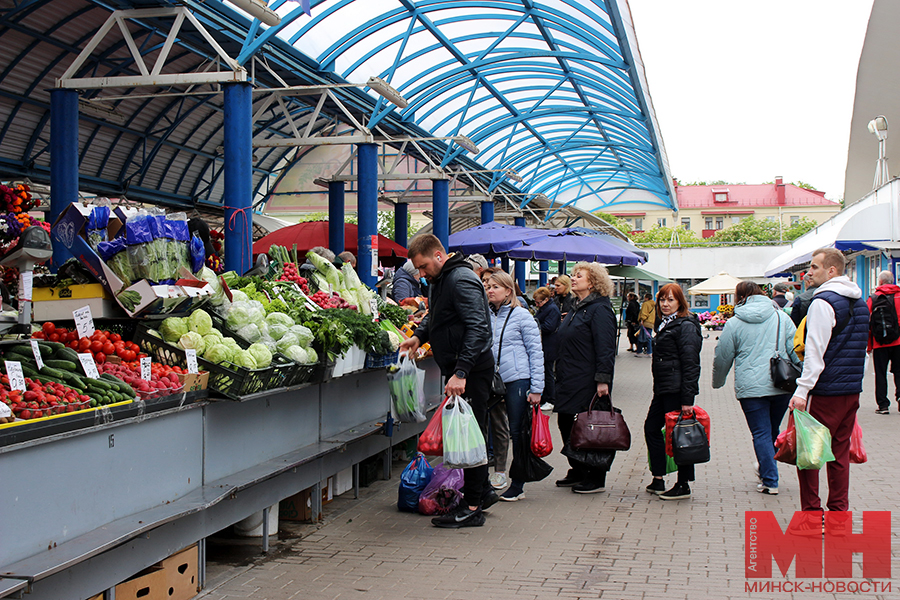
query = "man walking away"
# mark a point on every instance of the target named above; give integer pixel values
(647, 319)
(884, 338)
(778, 298)
(459, 329)
(837, 327)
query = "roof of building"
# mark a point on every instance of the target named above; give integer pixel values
(743, 195)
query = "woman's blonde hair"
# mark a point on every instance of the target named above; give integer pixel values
(598, 277)
(503, 279)
(542, 293)
(564, 281)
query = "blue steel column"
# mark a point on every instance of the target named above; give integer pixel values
(336, 216)
(238, 193)
(543, 265)
(63, 161)
(401, 223)
(520, 264)
(367, 207)
(440, 211)
(487, 212)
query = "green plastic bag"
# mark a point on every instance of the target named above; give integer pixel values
(813, 442)
(671, 467)
(464, 444)
(406, 384)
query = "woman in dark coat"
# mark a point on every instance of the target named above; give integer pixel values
(676, 372)
(584, 368)
(548, 319)
(632, 311)
(564, 297)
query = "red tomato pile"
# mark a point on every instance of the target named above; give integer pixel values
(290, 273)
(101, 344)
(163, 378)
(333, 300)
(41, 400)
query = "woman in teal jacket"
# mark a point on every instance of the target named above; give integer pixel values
(750, 339)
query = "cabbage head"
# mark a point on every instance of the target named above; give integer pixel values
(200, 321)
(231, 343)
(304, 335)
(218, 293)
(286, 342)
(243, 358)
(297, 354)
(249, 332)
(238, 315)
(279, 318)
(257, 312)
(261, 355)
(210, 340)
(276, 332)
(193, 340)
(312, 356)
(219, 353)
(263, 329)
(239, 296)
(172, 329)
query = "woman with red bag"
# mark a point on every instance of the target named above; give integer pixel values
(676, 372)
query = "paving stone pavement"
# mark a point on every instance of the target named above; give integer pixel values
(622, 544)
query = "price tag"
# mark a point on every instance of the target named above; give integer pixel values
(5, 412)
(373, 304)
(145, 368)
(374, 272)
(87, 363)
(191, 355)
(37, 354)
(84, 322)
(14, 372)
(26, 281)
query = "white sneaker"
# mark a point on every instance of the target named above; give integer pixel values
(771, 491)
(756, 471)
(499, 481)
(546, 406)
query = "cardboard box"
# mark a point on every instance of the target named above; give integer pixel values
(151, 585)
(297, 508)
(181, 574)
(72, 292)
(61, 310)
(194, 381)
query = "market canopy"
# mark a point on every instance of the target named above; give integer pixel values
(569, 246)
(492, 239)
(723, 283)
(637, 273)
(623, 244)
(315, 233)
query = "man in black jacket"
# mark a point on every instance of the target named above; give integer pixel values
(459, 328)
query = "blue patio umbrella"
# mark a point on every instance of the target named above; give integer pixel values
(571, 246)
(493, 239)
(613, 240)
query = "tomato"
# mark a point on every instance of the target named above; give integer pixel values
(96, 346)
(115, 337)
(108, 348)
(48, 327)
(100, 357)
(54, 337)
(84, 344)
(73, 344)
(39, 335)
(128, 355)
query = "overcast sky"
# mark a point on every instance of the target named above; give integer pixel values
(745, 91)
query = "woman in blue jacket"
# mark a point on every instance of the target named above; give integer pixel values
(520, 361)
(750, 339)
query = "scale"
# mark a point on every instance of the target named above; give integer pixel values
(33, 248)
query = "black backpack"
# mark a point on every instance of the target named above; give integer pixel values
(883, 321)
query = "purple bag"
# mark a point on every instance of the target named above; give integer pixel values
(443, 493)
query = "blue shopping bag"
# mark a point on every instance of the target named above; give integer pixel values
(413, 480)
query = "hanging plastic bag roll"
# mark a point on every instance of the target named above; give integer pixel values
(464, 445)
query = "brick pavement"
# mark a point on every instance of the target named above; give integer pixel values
(621, 544)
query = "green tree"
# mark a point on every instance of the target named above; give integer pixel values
(802, 226)
(620, 224)
(749, 229)
(386, 220)
(661, 237)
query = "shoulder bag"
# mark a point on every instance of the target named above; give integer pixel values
(784, 372)
(600, 430)
(690, 444)
(498, 388)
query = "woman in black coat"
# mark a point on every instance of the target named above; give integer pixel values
(632, 312)
(676, 372)
(564, 297)
(548, 318)
(584, 369)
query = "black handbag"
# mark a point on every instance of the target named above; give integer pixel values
(784, 373)
(690, 445)
(498, 388)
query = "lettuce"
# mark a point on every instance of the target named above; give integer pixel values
(312, 356)
(192, 340)
(261, 355)
(173, 328)
(200, 321)
(279, 318)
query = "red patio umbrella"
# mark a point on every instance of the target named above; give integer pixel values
(315, 233)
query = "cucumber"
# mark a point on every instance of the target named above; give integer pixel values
(64, 365)
(99, 384)
(55, 373)
(51, 347)
(28, 372)
(122, 387)
(20, 355)
(66, 354)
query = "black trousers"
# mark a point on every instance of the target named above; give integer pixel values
(478, 388)
(656, 441)
(882, 357)
(549, 394)
(564, 422)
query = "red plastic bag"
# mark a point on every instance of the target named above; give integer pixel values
(786, 443)
(857, 450)
(431, 441)
(672, 418)
(541, 444)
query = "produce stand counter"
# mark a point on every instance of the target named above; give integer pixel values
(98, 504)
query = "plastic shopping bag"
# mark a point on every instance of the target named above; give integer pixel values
(464, 445)
(857, 450)
(672, 417)
(671, 467)
(413, 480)
(786, 443)
(407, 393)
(526, 466)
(431, 441)
(443, 493)
(541, 444)
(813, 441)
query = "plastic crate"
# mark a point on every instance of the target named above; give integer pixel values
(285, 371)
(380, 361)
(232, 381)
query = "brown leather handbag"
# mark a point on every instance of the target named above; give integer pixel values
(600, 429)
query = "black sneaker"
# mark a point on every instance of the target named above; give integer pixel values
(882, 411)
(571, 479)
(657, 486)
(490, 499)
(680, 491)
(461, 517)
(589, 487)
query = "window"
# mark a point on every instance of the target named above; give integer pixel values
(661, 222)
(794, 220)
(721, 197)
(720, 222)
(686, 222)
(638, 223)
(708, 223)
(735, 220)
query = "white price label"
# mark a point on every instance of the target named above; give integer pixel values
(14, 372)
(26, 280)
(373, 304)
(84, 322)
(5, 411)
(145, 368)
(89, 366)
(37, 354)
(191, 355)
(374, 270)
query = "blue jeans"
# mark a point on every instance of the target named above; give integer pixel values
(764, 417)
(517, 408)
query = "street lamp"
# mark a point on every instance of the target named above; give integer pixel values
(879, 127)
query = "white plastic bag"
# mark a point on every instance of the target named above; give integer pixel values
(464, 444)
(406, 383)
